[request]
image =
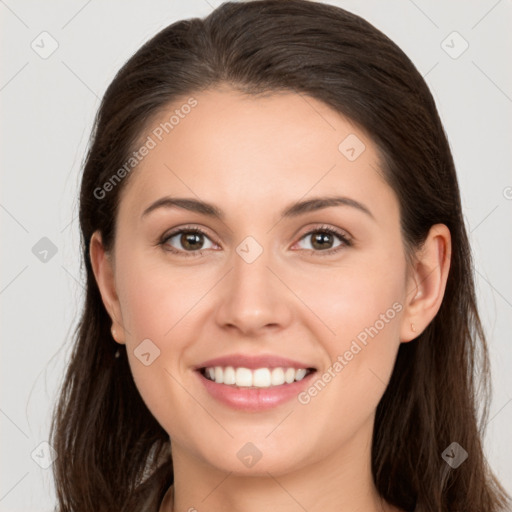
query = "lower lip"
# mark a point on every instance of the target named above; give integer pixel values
(254, 399)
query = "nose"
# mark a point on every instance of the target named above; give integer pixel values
(254, 297)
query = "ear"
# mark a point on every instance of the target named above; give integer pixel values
(103, 269)
(426, 283)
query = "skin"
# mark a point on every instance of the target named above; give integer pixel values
(253, 156)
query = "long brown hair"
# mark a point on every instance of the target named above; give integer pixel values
(111, 449)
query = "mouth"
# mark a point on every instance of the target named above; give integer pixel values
(259, 378)
(254, 390)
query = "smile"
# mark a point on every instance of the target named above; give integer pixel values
(254, 390)
(259, 378)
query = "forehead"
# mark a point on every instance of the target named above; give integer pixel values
(246, 150)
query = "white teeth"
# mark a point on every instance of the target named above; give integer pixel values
(260, 378)
(277, 377)
(289, 375)
(229, 376)
(243, 377)
(300, 374)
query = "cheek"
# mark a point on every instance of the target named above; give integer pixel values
(350, 301)
(164, 303)
(363, 306)
(156, 297)
(155, 302)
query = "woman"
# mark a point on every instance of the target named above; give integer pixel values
(220, 363)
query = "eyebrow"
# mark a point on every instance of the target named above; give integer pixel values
(293, 210)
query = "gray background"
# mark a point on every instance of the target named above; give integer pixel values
(48, 105)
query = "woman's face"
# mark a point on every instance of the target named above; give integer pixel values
(257, 284)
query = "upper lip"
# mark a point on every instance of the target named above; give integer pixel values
(253, 362)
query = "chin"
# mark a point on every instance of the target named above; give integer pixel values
(252, 459)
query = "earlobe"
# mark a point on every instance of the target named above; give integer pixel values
(104, 273)
(427, 282)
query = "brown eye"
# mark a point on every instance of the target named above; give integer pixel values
(322, 240)
(191, 241)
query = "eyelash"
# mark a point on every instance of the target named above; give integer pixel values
(346, 242)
